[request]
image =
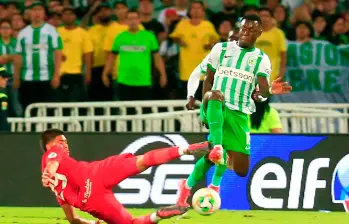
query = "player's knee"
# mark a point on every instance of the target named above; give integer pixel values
(213, 95)
(216, 95)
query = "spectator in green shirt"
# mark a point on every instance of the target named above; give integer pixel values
(135, 48)
(265, 120)
(7, 51)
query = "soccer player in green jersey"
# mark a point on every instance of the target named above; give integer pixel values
(234, 69)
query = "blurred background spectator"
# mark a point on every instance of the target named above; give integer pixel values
(38, 59)
(7, 52)
(229, 13)
(17, 23)
(273, 43)
(102, 14)
(338, 35)
(72, 78)
(196, 37)
(134, 80)
(55, 19)
(184, 31)
(304, 31)
(319, 23)
(146, 11)
(181, 7)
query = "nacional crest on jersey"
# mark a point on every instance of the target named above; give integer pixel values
(252, 61)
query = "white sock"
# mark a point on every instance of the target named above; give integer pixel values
(181, 150)
(154, 218)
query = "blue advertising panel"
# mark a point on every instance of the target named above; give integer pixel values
(298, 172)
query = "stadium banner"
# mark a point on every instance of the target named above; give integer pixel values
(291, 172)
(287, 172)
(20, 167)
(318, 72)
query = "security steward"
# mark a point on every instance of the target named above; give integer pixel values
(4, 126)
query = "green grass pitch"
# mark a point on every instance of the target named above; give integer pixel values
(56, 216)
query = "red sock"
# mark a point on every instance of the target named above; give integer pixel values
(142, 220)
(160, 156)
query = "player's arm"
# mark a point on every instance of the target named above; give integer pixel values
(73, 217)
(194, 81)
(212, 65)
(192, 86)
(278, 87)
(49, 172)
(264, 88)
(51, 167)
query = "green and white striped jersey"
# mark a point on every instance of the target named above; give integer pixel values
(236, 70)
(8, 49)
(37, 46)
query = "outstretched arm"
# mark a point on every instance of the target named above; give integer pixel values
(277, 87)
(73, 217)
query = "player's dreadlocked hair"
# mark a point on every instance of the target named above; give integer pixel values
(253, 17)
(48, 136)
(261, 109)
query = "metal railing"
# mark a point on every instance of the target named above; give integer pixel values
(168, 116)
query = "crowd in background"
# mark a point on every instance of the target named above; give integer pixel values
(68, 51)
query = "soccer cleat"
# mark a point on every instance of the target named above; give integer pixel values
(217, 155)
(216, 189)
(184, 194)
(171, 211)
(202, 147)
